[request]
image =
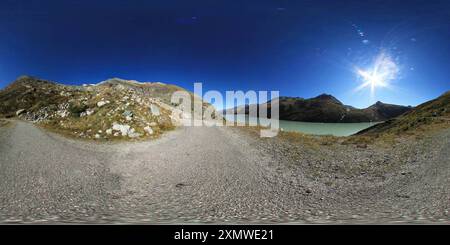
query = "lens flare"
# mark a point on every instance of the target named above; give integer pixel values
(383, 71)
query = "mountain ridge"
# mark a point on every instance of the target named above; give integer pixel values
(326, 108)
(111, 109)
(426, 115)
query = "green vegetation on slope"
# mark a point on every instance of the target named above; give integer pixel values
(112, 109)
(427, 116)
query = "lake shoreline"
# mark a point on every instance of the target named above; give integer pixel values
(311, 128)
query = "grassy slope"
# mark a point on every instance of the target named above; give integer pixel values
(429, 115)
(30, 94)
(40, 97)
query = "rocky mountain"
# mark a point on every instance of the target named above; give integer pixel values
(326, 108)
(111, 109)
(429, 114)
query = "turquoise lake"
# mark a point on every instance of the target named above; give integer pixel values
(336, 129)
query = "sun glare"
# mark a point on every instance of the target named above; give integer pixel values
(383, 71)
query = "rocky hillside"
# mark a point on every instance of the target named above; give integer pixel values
(112, 109)
(326, 108)
(434, 113)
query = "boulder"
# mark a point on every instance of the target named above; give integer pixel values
(124, 129)
(101, 103)
(133, 134)
(155, 110)
(148, 130)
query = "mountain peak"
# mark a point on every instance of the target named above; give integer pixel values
(26, 80)
(328, 97)
(379, 103)
(325, 96)
(25, 77)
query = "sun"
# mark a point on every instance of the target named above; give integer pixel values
(383, 71)
(372, 78)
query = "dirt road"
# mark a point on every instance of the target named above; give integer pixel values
(193, 174)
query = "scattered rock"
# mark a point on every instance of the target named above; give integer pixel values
(63, 114)
(66, 107)
(127, 113)
(154, 110)
(126, 130)
(20, 112)
(88, 112)
(109, 131)
(148, 130)
(133, 134)
(122, 128)
(102, 103)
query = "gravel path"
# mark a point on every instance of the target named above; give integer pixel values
(201, 174)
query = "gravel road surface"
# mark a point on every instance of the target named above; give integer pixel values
(206, 174)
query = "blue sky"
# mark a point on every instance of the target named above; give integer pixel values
(300, 48)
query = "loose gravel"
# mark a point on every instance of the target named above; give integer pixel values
(219, 175)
